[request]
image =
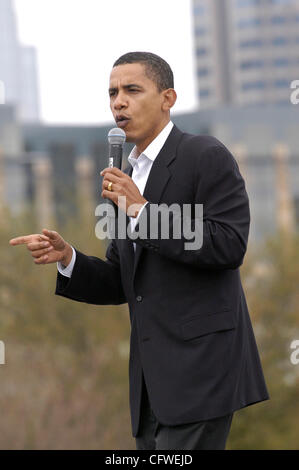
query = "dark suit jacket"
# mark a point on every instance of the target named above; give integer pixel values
(191, 333)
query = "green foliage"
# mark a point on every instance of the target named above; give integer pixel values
(65, 381)
(270, 278)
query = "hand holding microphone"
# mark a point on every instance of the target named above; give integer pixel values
(116, 139)
(117, 183)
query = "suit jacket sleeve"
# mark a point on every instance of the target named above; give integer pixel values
(220, 187)
(93, 280)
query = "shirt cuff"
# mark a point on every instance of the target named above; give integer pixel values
(67, 271)
(139, 213)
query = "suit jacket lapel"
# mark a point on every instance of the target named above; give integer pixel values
(159, 177)
(155, 185)
(127, 243)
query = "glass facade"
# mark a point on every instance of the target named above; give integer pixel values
(247, 51)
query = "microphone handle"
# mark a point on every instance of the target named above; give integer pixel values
(115, 155)
(115, 160)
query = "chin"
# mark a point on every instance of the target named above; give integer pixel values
(129, 137)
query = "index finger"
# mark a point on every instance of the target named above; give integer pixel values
(114, 171)
(26, 239)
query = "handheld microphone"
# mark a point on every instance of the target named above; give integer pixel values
(116, 139)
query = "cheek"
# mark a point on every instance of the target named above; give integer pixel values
(153, 108)
(145, 113)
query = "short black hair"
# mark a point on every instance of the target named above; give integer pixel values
(156, 68)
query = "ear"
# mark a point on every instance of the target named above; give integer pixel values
(169, 99)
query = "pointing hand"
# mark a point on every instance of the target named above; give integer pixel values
(48, 247)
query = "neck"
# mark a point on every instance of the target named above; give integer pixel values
(141, 146)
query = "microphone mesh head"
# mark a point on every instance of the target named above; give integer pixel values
(117, 136)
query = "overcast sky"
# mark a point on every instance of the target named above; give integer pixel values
(78, 40)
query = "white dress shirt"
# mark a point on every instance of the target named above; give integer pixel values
(142, 165)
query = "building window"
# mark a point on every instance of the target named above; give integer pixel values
(258, 85)
(278, 19)
(251, 43)
(281, 62)
(204, 92)
(200, 31)
(200, 51)
(249, 22)
(282, 2)
(251, 64)
(202, 72)
(247, 3)
(279, 41)
(282, 83)
(199, 10)
(283, 102)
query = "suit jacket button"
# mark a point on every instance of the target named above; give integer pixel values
(139, 298)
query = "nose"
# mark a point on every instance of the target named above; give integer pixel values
(120, 101)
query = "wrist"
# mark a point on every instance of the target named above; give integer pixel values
(134, 209)
(67, 257)
(141, 206)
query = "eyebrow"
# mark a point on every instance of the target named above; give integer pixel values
(130, 85)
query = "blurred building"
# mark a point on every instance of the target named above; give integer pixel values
(13, 161)
(29, 100)
(18, 67)
(54, 167)
(246, 51)
(246, 59)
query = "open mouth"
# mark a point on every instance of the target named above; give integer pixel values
(122, 121)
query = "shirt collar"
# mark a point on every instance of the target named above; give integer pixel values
(154, 148)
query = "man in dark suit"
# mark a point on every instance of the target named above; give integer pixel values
(193, 355)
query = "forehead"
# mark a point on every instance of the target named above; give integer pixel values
(125, 74)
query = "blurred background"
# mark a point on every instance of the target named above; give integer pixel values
(64, 383)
